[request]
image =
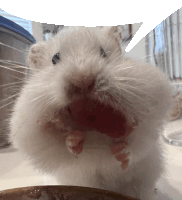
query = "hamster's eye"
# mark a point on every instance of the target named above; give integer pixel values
(102, 52)
(56, 58)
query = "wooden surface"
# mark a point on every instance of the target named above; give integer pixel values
(60, 193)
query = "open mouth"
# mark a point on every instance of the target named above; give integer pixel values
(92, 115)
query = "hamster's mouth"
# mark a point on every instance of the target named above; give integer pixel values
(92, 115)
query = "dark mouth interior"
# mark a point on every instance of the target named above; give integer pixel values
(92, 115)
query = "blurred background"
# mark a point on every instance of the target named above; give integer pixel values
(162, 47)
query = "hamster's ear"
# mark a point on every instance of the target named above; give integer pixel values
(36, 55)
(115, 31)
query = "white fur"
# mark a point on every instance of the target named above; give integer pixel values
(140, 91)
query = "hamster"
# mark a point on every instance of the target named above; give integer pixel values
(91, 116)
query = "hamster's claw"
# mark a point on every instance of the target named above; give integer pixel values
(74, 142)
(124, 159)
(119, 150)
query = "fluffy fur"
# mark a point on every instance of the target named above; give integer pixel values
(140, 91)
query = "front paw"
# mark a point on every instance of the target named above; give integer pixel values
(74, 142)
(122, 154)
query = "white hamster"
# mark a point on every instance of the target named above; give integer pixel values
(91, 116)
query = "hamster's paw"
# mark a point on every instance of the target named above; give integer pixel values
(122, 154)
(74, 142)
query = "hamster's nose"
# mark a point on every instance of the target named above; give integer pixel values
(83, 85)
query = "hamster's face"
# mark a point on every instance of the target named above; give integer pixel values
(82, 82)
(77, 66)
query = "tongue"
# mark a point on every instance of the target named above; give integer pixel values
(90, 114)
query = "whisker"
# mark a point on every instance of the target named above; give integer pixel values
(12, 47)
(135, 95)
(115, 59)
(142, 58)
(118, 67)
(12, 88)
(8, 98)
(117, 97)
(22, 79)
(38, 97)
(6, 105)
(113, 53)
(125, 102)
(18, 66)
(51, 101)
(14, 83)
(135, 88)
(10, 61)
(134, 79)
(23, 122)
(13, 69)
